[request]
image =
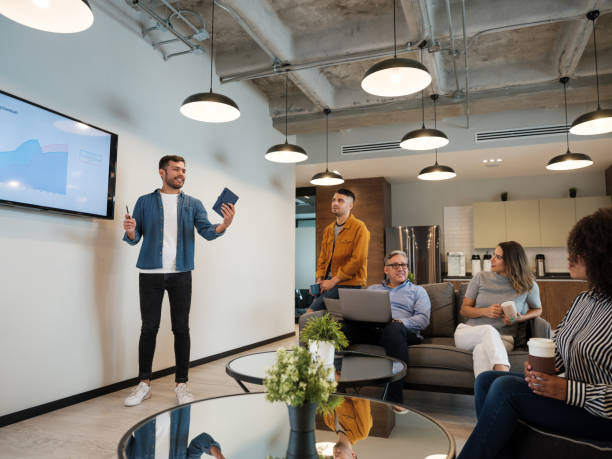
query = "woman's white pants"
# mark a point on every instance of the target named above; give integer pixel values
(488, 347)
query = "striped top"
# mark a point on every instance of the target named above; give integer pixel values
(584, 351)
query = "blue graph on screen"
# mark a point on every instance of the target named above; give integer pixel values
(32, 166)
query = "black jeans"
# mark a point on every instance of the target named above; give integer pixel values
(152, 288)
(394, 337)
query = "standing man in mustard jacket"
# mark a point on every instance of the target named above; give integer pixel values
(344, 251)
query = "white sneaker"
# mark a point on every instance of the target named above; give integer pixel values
(139, 393)
(182, 394)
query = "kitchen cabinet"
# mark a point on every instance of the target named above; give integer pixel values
(532, 223)
(523, 222)
(489, 223)
(588, 205)
(557, 217)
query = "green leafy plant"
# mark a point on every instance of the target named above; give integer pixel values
(295, 378)
(324, 328)
(411, 277)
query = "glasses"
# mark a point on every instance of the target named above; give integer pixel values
(398, 266)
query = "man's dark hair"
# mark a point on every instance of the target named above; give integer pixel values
(166, 159)
(346, 192)
(591, 240)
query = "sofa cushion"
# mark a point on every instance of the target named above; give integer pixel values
(439, 356)
(442, 320)
(460, 294)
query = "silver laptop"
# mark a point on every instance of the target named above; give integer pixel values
(333, 307)
(365, 305)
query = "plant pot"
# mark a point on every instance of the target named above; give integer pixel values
(302, 438)
(323, 351)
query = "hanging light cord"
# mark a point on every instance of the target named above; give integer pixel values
(422, 98)
(435, 116)
(565, 99)
(212, 43)
(326, 141)
(394, 34)
(596, 70)
(435, 126)
(286, 104)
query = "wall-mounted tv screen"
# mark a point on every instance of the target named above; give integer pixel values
(54, 162)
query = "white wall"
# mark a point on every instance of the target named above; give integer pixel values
(70, 315)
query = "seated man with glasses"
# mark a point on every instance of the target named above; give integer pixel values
(410, 309)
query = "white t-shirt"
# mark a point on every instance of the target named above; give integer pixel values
(170, 204)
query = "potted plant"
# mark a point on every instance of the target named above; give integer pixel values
(324, 335)
(304, 385)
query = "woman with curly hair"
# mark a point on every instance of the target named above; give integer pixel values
(577, 401)
(488, 334)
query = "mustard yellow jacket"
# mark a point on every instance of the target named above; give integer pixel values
(355, 418)
(349, 259)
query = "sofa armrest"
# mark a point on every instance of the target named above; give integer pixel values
(540, 328)
(304, 318)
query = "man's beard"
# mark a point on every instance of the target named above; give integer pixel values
(173, 185)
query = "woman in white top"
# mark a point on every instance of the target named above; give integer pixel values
(488, 333)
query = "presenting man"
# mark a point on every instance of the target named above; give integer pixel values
(166, 219)
(343, 258)
(410, 310)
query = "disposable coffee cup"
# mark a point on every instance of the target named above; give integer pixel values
(509, 309)
(315, 289)
(542, 355)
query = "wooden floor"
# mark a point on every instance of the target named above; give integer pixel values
(92, 429)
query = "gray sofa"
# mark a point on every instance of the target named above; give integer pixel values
(437, 364)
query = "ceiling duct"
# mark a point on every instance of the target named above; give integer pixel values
(364, 148)
(488, 136)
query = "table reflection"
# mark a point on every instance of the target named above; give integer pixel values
(246, 426)
(166, 436)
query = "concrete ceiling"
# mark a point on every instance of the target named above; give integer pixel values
(515, 51)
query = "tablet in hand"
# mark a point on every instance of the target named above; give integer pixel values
(226, 197)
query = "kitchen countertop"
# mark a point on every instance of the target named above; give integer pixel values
(547, 277)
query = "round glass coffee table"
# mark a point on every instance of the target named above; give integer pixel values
(354, 369)
(246, 426)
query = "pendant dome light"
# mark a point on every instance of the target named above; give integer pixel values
(59, 16)
(423, 138)
(327, 178)
(210, 107)
(397, 76)
(437, 171)
(599, 121)
(568, 160)
(286, 152)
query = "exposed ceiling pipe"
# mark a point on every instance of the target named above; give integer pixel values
(280, 68)
(249, 32)
(467, 68)
(178, 13)
(452, 41)
(163, 23)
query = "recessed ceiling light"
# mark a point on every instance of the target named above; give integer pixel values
(499, 160)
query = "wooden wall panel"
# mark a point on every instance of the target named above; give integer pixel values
(372, 206)
(557, 297)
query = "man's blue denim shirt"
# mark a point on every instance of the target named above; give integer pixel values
(149, 215)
